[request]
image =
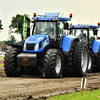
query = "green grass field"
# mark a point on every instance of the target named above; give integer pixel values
(87, 95)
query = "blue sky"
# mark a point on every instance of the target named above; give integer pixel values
(84, 11)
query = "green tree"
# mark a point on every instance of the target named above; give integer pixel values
(12, 41)
(1, 25)
(14, 24)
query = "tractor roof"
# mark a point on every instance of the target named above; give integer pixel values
(84, 26)
(51, 17)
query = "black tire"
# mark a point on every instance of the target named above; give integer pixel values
(69, 70)
(50, 63)
(91, 62)
(10, 63)
(97, 60)
(80, 59)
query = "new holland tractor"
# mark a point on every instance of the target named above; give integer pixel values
(48, 50)
(88, 34)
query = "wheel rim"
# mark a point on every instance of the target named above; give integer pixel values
(90, 63)
(84, 59)
(58, 64)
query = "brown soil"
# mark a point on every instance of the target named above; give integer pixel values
(15, 88)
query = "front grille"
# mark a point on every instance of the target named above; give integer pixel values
(30, 46)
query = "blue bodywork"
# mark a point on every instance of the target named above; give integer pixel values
(51, 15)
(66, 44)
(36, 39)
(96, 45)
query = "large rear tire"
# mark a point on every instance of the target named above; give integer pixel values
(80, 59)
(53, 63)
(69, 71)
(10, 63)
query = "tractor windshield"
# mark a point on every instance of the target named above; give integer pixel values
(45, 28)
(80, 33)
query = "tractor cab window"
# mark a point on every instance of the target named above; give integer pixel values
(80, 33)
(45, 28)
(61, 30)
(92, 37)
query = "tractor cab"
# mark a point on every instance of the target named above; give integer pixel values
(51, 25)
(85, 33)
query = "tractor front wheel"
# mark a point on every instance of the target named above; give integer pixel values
(53, 63)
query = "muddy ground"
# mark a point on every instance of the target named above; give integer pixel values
(29, 87)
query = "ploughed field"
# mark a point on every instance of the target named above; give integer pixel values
(30, 87)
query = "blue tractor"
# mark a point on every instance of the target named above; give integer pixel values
(88, 34)
(47, 50)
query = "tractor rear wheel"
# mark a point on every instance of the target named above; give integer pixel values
(53, 63)
(10, 63)
(91, 61)
(69, 71)
(80, 59)
(97, 67)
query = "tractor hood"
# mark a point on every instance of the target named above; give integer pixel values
(36, 43)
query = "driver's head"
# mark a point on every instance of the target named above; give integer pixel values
(83, 35)
(82, 31)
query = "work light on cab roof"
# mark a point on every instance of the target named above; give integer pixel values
(71, 15)
(70, 23)
(34, 14)
(99, 24)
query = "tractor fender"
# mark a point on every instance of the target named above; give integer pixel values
(49, 47)
(16, 46)
(96, 45)
(67, 42)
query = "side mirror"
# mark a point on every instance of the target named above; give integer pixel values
(28, 32)
(66, 25)
(95, 32)
(19, 25)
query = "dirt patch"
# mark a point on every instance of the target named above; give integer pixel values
(29, 87)
(1, 61)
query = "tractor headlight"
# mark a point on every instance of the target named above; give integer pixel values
(37, 47)
(24, 47)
